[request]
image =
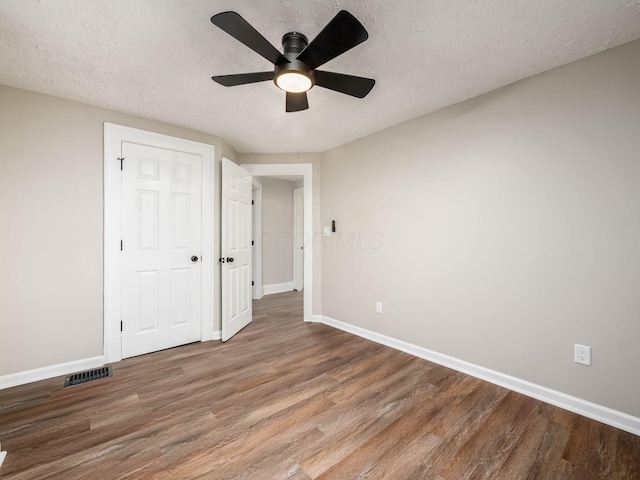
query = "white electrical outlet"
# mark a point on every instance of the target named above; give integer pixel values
(582, 354)
(378, 307)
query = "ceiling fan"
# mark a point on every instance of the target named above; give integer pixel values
(295, 70)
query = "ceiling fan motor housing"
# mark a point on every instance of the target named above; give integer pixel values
(293, 43)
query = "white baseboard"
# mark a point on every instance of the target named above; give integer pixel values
(2, 455)
(278, 288)
(603, 414)
(51, 371)
(217, 335)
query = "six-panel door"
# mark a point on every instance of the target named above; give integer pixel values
(161, 268)
(236, 249)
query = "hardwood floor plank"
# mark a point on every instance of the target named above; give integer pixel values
(348, 431)
(377, 455)
(243, 443)
(627, 464)
(285, 399)
(460, 410)
(547, 460)
(519, 462)
(488, 448)
(590, 447)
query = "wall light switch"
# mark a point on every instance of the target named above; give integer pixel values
(327, 231)
(378, 307)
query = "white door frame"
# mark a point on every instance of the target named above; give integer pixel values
(256, 219)
(114, 135)
(298, 283)
(306, 170)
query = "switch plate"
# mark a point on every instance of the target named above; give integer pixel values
(582, 354)
(327, 231)
(378, 307)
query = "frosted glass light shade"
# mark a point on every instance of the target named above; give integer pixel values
(293, 82)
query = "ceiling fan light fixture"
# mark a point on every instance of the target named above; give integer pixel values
(295, 69)
(293, 82)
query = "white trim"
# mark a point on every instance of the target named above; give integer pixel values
(278, 288)
(2, 455)
(257, 292)
(603, 414)
(28, 376)
(306, 170)
(114, 135)
(298, 283)
(208, 241)
(217, 335)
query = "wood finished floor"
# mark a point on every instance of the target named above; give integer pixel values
(286, 399)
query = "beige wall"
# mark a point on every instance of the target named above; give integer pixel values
(314, 159)
(51, 204)
(502, 230)
(277, 230)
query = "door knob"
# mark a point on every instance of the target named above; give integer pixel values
(229, 259)
(194, 259)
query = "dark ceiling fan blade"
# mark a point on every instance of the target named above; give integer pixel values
(339, 82)
(243, 78)
(241, 30)
(342, 33)
(297, 102)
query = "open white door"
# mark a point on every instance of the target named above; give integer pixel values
(236, 249)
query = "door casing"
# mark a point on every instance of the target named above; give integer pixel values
(256, 258)
(298, 253)
(114, 135)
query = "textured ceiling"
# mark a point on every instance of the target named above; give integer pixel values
(155, 58)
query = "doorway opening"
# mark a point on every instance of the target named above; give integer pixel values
(297, 176)
(276, 216)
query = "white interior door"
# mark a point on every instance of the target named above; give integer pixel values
(298, 239)
(162, 242)
(236, 249)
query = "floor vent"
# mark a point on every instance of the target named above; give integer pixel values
(88, 376)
